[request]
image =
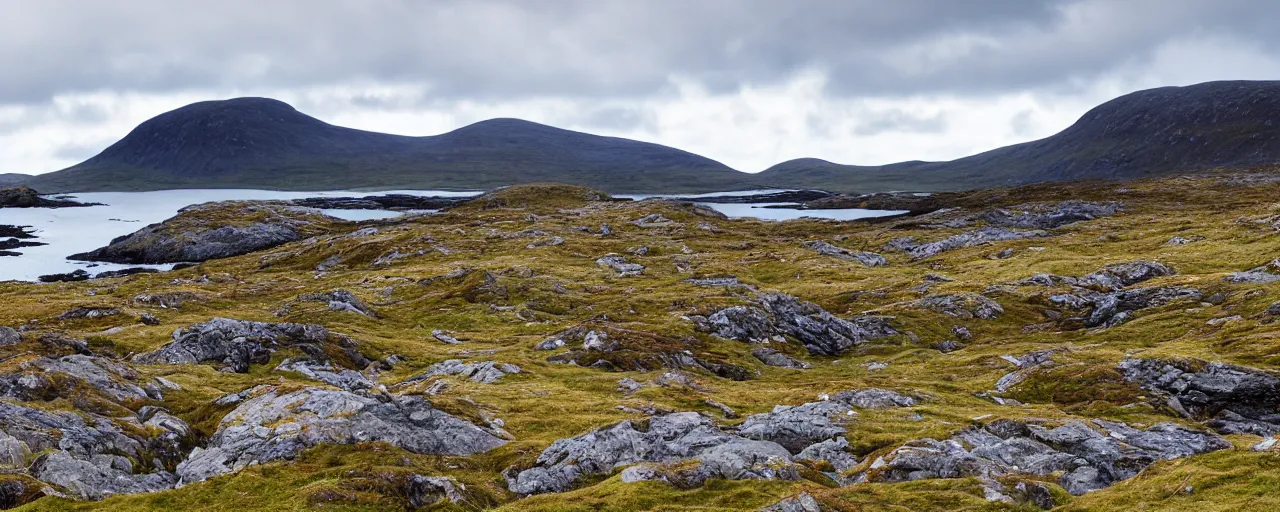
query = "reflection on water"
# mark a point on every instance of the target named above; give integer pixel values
(755, 210)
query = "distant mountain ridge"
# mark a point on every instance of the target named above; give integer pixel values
(1231, 124)
(264, 143)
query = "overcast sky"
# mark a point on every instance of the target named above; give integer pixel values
(749, 83)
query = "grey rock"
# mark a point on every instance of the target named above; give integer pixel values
(797, 427)
(1090, 456)
(114, 380)
(961, 305)
(778, 314)
(803, 502)
(97, 477)
(340, 300)
(9, 337)
(1235, 399)
(655, 220)
(1122, 275)
(619, 264)
(1109, 307)
(948, 346)
(486, 372)
(89, 313)
(342, 378)
(628, 385)
(772, 357)
(973, 238)
(1049, 216)
(833, 451)
(1252, 277)
(190, 237)
(725, 282)
(869, 259)
(277, 425)
(237, 343)
(669, 438)
(444, 337)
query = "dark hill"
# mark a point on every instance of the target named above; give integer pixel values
(11, 179)
(264, 143)
(1146, 133)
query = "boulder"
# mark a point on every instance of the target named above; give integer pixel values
(1235, 399)
(619, 264)
(775, 315)
(278, 424)
(772, 357)
(237, 343)
(961, 305)
(869, 259)
(485, 372)
(973, 238)
(342, 378)
(1089, 456)
(706, 450)
(798, 427)
(340, 300)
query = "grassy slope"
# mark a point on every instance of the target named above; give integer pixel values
(548, 401)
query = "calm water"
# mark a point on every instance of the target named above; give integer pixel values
(739, 211)
(75, 230)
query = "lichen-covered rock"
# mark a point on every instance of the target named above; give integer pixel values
(238, 343)
(797, 427)
(973, 238)
(38, 379)
(962, 305)
(1089, 456)
(340, 300)
(9, 336)
(277, 424)
(88, 313)
(869, 259)
(484, 372)
(325, 372)
(803, 502)
(1235, 399)
(777, 314)
(772, 357)
(620, 265)
(99, 476)
(670, 438)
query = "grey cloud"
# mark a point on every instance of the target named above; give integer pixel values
(899, 121)
(617, 118)
(592, 48)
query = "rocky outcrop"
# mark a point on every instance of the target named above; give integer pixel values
(1108, 279)
(776, 316)
(798, 427)
(44, 378)
(687, 448)
(341, 378)
(961, 305)
(1235, 399)
(340, 300)
(1047, 216)
(921, 250)
(772, 357)
(89, 455)
(686, 436)
(869, 259)
(1089, 456)
(214, 230)
(620, 265)
(23, 197)
(238, 343)
(484, 372)
(278, 424)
